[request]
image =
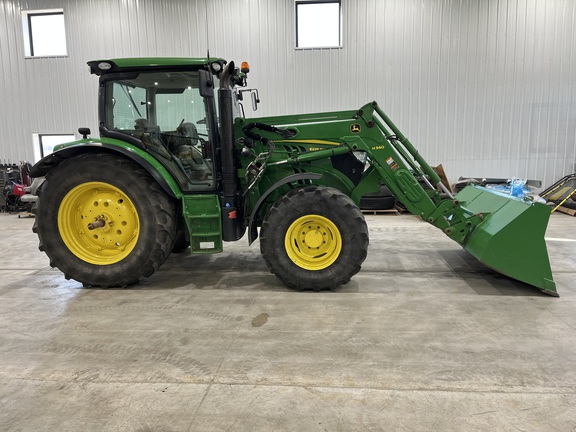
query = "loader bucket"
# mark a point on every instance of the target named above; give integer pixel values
(511, 238)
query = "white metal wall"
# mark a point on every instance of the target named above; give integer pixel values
(486, 87)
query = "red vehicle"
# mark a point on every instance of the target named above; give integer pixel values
(16, 180)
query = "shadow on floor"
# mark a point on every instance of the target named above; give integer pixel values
(482, 279)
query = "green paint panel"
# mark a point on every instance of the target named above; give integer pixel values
(511, 238)
(203, 219)
(409, 185)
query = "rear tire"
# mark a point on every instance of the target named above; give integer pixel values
(138, 218)
(314, 238)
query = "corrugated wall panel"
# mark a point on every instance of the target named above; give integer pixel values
(485, 87)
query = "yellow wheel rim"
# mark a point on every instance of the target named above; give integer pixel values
(313, 242)
(98, 223)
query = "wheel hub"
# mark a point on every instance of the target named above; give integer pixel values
(313, 242)
(313, 238)
(98, 223)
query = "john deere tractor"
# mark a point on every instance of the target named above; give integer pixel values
(178, 166)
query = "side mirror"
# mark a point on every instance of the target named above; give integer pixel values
(255, 100)
(206, 84)
(241, 109)
(84, 132)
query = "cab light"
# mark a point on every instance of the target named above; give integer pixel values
(216, 67)
(244, 67)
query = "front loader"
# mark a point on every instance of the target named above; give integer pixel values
(177, 165)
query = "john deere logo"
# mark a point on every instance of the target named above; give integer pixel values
(355, 128)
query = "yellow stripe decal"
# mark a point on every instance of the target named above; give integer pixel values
(308, 142)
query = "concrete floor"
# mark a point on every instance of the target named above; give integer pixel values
(424, 338)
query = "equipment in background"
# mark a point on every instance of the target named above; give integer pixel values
(15, 185)
(562, 195)
(495, 183)
(377, 201)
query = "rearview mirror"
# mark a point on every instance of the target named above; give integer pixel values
(255, 101)
(206, 84)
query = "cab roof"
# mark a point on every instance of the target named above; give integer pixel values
(101, 67)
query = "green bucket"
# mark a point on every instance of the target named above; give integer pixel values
(510, 240)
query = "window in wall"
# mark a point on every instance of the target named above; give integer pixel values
(318, 24)
(48, 141)
(44, 33)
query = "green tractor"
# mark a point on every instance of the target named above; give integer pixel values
(178, 166)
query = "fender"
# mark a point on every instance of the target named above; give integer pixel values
(252, 228)
(142, 158)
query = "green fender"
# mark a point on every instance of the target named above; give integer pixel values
(141, 157)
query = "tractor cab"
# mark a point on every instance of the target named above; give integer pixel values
(163, 109)
(160, 109)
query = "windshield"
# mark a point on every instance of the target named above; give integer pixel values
(163, 100)
(165, 111)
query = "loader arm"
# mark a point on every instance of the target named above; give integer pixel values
(503, 232)
(400, 166)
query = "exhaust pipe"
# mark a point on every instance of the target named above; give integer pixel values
(232, 217)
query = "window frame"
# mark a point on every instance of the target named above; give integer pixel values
(27, 16)
(340, 22)
(42, 135)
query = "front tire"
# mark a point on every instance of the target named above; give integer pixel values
(314, 238)
(103, 221)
